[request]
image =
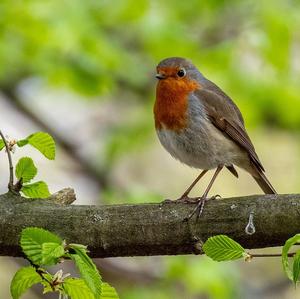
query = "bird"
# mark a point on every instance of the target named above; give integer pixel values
(201, 126)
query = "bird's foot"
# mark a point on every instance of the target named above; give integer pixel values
(198, 210)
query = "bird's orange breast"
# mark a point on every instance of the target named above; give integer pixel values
(170, 108)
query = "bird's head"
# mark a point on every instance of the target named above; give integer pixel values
(177, 71)
(177, 78)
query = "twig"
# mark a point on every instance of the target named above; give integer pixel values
(11, 167)
(65, 196)
(270, 254)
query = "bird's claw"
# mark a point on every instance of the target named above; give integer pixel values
(198, 210)
(200, 201)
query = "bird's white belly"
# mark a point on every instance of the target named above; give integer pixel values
(202, 146)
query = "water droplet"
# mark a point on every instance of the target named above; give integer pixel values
(250, 228)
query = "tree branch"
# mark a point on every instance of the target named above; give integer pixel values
(151, 229)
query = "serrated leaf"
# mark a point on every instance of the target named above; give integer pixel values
(36, 190)
(81, 250)
(51, 252)
(76, 288)
(285, 249)
(108, 292)
(296, 267)
(89, 275)
(44, 143)
(32, 239)
(87, 269)
(25, 169)
(2, 144)
(23, 280)
(223, 248)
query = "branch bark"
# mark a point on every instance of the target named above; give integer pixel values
(151, 229)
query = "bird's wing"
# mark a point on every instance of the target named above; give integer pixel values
(225, 115)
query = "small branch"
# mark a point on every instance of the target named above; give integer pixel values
(11, 167)
(270, 254)
(65, 196)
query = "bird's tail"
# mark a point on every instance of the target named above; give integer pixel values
(264, 183)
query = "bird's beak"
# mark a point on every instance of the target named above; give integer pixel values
(160, 76)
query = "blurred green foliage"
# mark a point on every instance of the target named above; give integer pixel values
(250, 48)
(187, 278)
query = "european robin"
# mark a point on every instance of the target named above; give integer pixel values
(198, 124)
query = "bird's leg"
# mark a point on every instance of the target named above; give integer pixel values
(201, 201)
(184, 197)
(189, 189)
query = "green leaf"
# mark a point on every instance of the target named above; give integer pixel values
(296, 267)
(78, 246)
(223, 248)
(44, 143)
(81, 251)
(285, 249)
(2, 144)
(77, 289)
(108, 292)
(87, 269)
(22, 142)
(26, 169)
(36, 190)
(32, 240)
(23, 280)
(51, 252)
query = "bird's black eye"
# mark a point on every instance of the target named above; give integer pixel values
(181, 73)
